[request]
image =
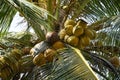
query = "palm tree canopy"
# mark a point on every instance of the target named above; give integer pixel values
(100, 15)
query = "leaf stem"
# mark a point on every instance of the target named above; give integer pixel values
(50, 10)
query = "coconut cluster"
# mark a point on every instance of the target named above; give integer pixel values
(46, 54)
(45, 51)
(77, 34)
(9, 63)
(43, 57)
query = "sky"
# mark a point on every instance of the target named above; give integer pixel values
(18, 24)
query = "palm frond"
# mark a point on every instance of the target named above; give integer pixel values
(35, 15)
(107, 40)
(6, 15)
(84, 61)
(97, 10)
(70, 64)
(19, 41)
(102, 65)
(108, 35)
(106, 50)
(110, 32)
(78, 7)
(3, 46)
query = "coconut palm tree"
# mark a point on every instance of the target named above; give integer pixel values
(93, 55)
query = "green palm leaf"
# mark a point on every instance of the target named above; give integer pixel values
(103, 65)
(109, 36)
(70, 65)
(97, 10)
(35, 16)
(6, 15)
(99, 14)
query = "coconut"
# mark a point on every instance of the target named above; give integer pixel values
(73, 40)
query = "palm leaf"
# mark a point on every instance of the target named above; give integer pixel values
(85, 63)
(3, 46)
(110, 32)
(70, 65)
(102, 65)
(23, 39)
(35, 16)
(108, 35)
(97, 10)
(65, 68)
(6, 15)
